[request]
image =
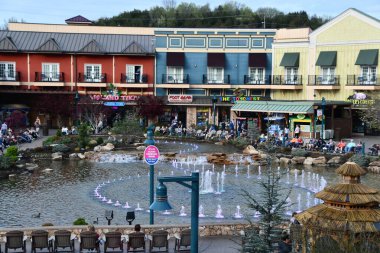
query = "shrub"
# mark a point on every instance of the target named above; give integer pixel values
(299, 152)
(99, 140)
(58, 133)
(83, 135)
(129, 125)
(240, 142)
(47, 224)
(5, 162)
(80, 221)
(60, 148)
(362, 161)
(12, 153)
(65, 140)
(50, 140)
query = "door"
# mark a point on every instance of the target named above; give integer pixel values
(291, 76)
(328, 75)
(134, 73)
(50, 72)
(7, 71)
(93, 73)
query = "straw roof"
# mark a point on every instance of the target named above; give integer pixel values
(351, 169)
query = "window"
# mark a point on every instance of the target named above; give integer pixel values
(93, 73)
(7, 71)
(50, 72)
(256, 76)
(327, 75)
(134, 74)
(215, 75)
(174, 91)
(175, 74)
(368, 75)
(291, 76)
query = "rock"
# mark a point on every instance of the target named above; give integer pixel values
(56, 156)
(138, 144)
(263, 156)
(250, 150)
(375, 163)
(218, 158)
(89, 154)
(276, 160)
(81, 156)
(141, 148)
(298, 160)
(319, 160)
(284, 160)
(335, 160)
(107, 147)
(73, 156)
(374, 167)
(11, 176)
(92, 143)
(170, 154)
(47, 170)
(20, 165)
(31, 166)
(220, 143)
(308, 161)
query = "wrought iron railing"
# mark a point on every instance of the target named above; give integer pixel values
(363, 80)
(132, 78)
(175, 78)
(287, 80)
(216, 79)
(324, 80)
(92, 78)
(10, 76)
(49, 77)
(252, 79)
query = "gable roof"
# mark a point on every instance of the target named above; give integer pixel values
(134, 48)
(92, 47)
(49, 46)
(7, 44)
(78, 19)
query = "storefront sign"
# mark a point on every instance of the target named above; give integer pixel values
(301, 116)
(233, 99)
(360, 99)
(151, 155)
(113, 98)
(117, 104)
(180, 98)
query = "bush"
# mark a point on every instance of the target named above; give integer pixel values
(50, 140)
(240, 142)
(65, 140)
(127, 126)
(80, 221)
(83, 135)
(12, 153)
(362, 161)
(299, 152)
(5, 162)
(60, 148)
(58, 133)
(99, 140)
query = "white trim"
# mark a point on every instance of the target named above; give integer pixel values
(28, 59)
(134, 65)
(50, 64)
(93, 65)
(216, 39)
(192, 38)
(237, 39)
(289, 44)
(14, 70)
(71, 69)
(113, 69)
(258, 39)
(175, 38)
(349, 43)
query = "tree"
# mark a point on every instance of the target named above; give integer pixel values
(270, 202)
(60, 106)
(150, 107)
(371, 116)
(93, 112)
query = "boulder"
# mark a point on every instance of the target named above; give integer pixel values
(375, 163)
(92, 143)
(284, 160)
(250, 150)
(218, 158)
(56, 156)
(73, 156)
(138, 144)
(81, 156)
(31, 166)
(11, 176)
(308, 161)
(263, 156)
(298, 160)
(374, 167)
(319, 160)
(47, 170)
(335, 160)
(141, 148)
(89, 154)
(220, 143)
(107, 147)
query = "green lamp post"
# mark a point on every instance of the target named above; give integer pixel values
(161, 202)
(323, 118)
(76, 100)
(150, 141)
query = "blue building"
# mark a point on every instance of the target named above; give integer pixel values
(200, 72)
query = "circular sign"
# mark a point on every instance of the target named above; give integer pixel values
(151, 155)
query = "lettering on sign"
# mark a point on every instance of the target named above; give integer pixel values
(113, 98)
(233, 99)
(151, 155)
(180, 98)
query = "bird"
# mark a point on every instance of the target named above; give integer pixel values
(38, 215)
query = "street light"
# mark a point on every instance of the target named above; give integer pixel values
(323, 117)
(76, 100)
(161, 202)
(214, 100)
(150, 141)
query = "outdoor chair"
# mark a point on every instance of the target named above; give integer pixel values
(40, 240)
(89, 241)
(62, 240)
(159, 240)
(15, 240)
(113, 241)
(136, 242)
(183, 241)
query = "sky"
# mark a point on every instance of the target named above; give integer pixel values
(55, 12)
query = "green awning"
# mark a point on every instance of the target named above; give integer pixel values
(326, 58)
(290, 60)
(274, 106)
(368, 57)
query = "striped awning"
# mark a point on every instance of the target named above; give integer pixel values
(274, 106)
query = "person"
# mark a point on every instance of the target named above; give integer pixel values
(375, 149)
(4, 128)
(232, 128)
(137, 231)
(349, 147)
(74, 130)
(223, 126)
(286, 133)
(285, 245)
(340, 146)
(293, 220)
(1, 144)
(330, 145)
(37, 124)
(297, 131)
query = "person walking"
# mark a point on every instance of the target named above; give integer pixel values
(4, 128)
(297, 131)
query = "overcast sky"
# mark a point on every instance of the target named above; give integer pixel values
(55, 12)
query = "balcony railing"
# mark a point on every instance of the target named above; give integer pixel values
(49, 77)
(12, 76)
(363, 80)
(257, 79)
(215, 79)
(324, 80)
(92, 78)
(132, 78)
(175, 78)
(287, 80)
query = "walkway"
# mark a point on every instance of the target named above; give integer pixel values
(36, 143)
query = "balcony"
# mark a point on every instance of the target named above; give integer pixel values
(174, 81)
(288, 82)
(49, 79)
(358, 82)
(327, 82)
(9, 78)
(133, 81)
(92, 80)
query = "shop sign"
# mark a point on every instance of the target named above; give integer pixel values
(233, 99)
(114, 104)
(151, 155)
(301, 116)
(360, 99)
(113, 98)
(180, 98)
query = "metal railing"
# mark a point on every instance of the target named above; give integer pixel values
(248, 79)
(49, 77)
(324, 80)
(132, 78)
(363, 80)
(214, 79)
(10, 76)
(91, 78)
(287, 80)
(175, 78)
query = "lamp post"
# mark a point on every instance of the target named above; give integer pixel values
(76, 100)
(161, 202)
(214, 100)
(150, 141)
(323, 117)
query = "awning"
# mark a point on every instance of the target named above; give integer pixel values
(274, 106)
(326, 58)
(175, 59)
(290, 60)
(257, 60)
(368, 57)
(215, 60)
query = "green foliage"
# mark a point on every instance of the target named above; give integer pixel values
(129, 125)
(83, 135)
(12, 153)
(80, 221)
(50, 140)
(5, 162)
(99, 140)
(252, 242)
(61, 148)
(363, 161)
(240, 142)
(299, 152)
(58, 133)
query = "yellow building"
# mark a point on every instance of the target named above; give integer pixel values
(338, 61)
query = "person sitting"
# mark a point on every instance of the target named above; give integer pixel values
(1, 144)
(358, 148)
(299, 142)
(262, 138)
(330, 145)
(137, 231)
(375, 149)
(65, 130)
(292, 143)
(340, 146)
(285, 246)
(350, 147)
(320, 144)
(74, 130)
(311, 144)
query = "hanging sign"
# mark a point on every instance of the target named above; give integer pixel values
(180, 98)
(151, 155)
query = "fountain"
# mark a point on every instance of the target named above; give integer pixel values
(182, 211)
(295, 177)
(126, 205)
(201, 212)
(219, 214)
(222, 181)
(236, 171)
(287, 177)
(248, 175)
(302, 179)
(117, 203)
(307, 199)
(104, 199)
(166, 212)
(288, 203)
(259, 176)
(218, 183)
(109, 201)
(138, 208)
(238, 215)
(206, 186)
(257, 214)
(299, 203)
